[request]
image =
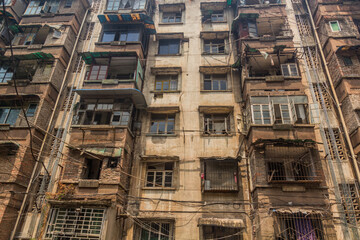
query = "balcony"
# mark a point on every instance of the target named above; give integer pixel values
(244, 3)
(278, 117)
(109, 70)
(286, 162)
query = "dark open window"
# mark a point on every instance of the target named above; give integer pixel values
(220, 175)
(92, 168)
(217, 123)
(226, 233)
(112, 162)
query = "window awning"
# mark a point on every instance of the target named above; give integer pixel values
(222, 222)
(165, 70)
(213, 6)
(214, 69)
(89, 57)
(175, 35)
(164, 110)
(293, 210)
(132, 17)
(214, 35)
(216, 109)
(177, 7)
(31, 56)
(106, 152)
(137, 96)
(9, 15)
(347, 48)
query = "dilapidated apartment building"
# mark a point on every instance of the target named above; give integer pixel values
(199, 119)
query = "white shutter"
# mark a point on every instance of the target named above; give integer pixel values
(292, 111)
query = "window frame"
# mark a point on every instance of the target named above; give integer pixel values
(4, 71)
(98, 72)
(144, 232)
(171, 80)
(211, 44)
(32, 114)
(119, 31)
(218, 79)
(6, 118)
(208, 16)
(331, 26)
(34, 9)
(166, 124)
(174, 15)
(289, 69)
(164, 174)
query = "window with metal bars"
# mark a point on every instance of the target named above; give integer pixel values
(219, 175)
(75, 223)
(299, 226)
(354, 198)
(159, 174)
(159, 230)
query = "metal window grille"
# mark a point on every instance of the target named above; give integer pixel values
(75, 223)
(299, 226)
(220, 175)
(155, 231)
(290, 164)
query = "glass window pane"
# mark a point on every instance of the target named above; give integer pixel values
(174, 48)
(335, 26)
(133, 36)
(223, 85)
(163, 48)
(3, 113)
(207, 85)
(158, 179)
(150, 179)
(13, 115)
(165, 85)
(173, 85)
(158, 85)
(31, 110)
(153, 127)
(215, 85)
(161, 127)
(168, 179)
(170, 127)
(108, 36)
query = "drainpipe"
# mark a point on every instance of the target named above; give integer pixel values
(48, 129)
(342, 121)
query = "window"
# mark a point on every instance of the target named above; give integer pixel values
(98, 72)
(213, 16)
(92, 168)
(220, 175)
(159, 174)
(112, 162)
(68, 3)
(37, 7)
(114, 5)
(80, 223)
(214, 46)
(103, 112)
(299, 226)
(169, 46)
(8, 2)
(261, 113)
(31, 110)
(300, 169)
(171, 17)
(280, 110)
(26, 37)
(9, 115)
(34, 7)
(289, 70)
(6, 74)
(155, 231)
(162, 123)
(120, 33)
(217, 123)
(166, 83)
(225, 233)
(215, 82)
(347, 61)
(335, 26)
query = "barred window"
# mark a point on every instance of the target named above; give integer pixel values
(155, 231)
(75, 223)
